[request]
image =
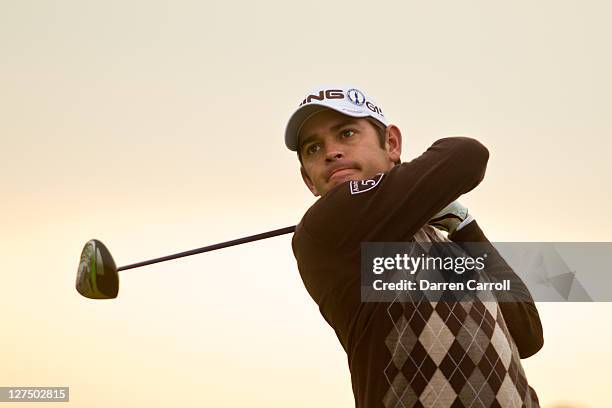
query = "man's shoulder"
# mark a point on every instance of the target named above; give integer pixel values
(345, 212)
(342, 201)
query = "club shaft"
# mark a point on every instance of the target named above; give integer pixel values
(213, 247)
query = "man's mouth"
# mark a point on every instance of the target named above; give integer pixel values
(340, 173)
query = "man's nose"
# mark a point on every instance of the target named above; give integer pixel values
(333, 151)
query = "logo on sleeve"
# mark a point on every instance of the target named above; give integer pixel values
(361, 186)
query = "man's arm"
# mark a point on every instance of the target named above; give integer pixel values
(405, 199)
(522, 318)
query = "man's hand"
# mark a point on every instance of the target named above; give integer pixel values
(452, 217)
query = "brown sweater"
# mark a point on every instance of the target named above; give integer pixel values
(407, 354)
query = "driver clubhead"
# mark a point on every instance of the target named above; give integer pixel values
(97, 277)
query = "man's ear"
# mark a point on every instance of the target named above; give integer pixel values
(309, 182)
(393, 142)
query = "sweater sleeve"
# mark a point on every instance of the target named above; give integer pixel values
(402, 201)
(521, 316)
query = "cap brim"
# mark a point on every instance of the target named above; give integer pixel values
(302, 114)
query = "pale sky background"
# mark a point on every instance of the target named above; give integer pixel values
(157, 127)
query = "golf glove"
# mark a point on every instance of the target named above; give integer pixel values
(451, 218)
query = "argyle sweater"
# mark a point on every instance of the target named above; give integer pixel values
(461, 354)
(413, 352)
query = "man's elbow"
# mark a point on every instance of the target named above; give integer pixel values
(473, 157)
(531, 349)
(473, 151)
(535, 343)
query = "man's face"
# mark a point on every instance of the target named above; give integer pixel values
(336, 148)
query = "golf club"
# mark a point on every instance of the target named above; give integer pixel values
(98, 277)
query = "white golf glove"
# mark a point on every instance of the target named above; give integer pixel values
(451, 218)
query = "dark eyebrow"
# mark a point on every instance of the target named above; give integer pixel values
(334, 128)
(343, 124)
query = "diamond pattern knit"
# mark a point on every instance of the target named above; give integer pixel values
(452, 354)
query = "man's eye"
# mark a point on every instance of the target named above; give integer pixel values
(313, 148)
(348, 133)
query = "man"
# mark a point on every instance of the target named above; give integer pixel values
(402, 354)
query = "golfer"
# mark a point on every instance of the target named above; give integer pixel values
(402, 354)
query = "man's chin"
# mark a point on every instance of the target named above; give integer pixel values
(337, 179)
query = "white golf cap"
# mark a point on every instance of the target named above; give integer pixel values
(348, 100)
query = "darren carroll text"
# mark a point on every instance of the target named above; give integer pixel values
(427, 285)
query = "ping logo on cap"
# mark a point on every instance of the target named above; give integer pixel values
(356, 96)
(324, 94)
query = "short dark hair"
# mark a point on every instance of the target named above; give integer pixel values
(382, 131)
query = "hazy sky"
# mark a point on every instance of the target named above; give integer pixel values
(158, 127)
